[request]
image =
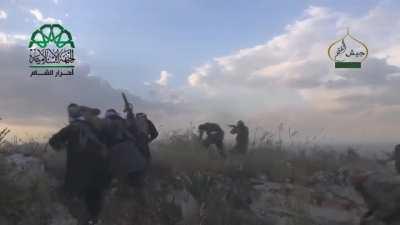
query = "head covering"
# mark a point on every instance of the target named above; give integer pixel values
(74, 112)
(111, 113)
(240, 123)
(141, 115)
(88, 111)
(201, 126)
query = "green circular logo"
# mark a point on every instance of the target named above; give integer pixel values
(54, 33)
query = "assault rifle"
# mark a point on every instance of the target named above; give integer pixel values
(128, 109)
(233, 128)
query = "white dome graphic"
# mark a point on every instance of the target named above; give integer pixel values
(348, 52)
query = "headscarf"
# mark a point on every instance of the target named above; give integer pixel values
(111, 113)
(74, 112)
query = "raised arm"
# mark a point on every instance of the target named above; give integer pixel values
(58, 140)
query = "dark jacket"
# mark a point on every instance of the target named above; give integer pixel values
(144, 139)
(125, 156)
(397, 158)
(116, 131)
(85, 167)
(242, 138)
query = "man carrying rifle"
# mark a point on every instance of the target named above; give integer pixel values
(146, 133)
(142, 128)
(86, 167)
(126, 161)
(242, 137)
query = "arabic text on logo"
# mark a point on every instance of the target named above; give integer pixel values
(348, 52)
(51, 51)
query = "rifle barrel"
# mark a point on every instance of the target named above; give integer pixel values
(124, 97)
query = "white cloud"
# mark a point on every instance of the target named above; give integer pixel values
(293, 67)
(12, 39)
(40, 18)
(164, 77)
(302, 44)
(3, 15)
(160, 90)
(297, 58)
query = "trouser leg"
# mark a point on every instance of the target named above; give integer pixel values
(93, 199)
(220, 146)
(207, 142)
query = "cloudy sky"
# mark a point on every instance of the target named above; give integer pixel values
(188, 61)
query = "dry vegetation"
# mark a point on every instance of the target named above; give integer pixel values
(180, 162)
(278, 160)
